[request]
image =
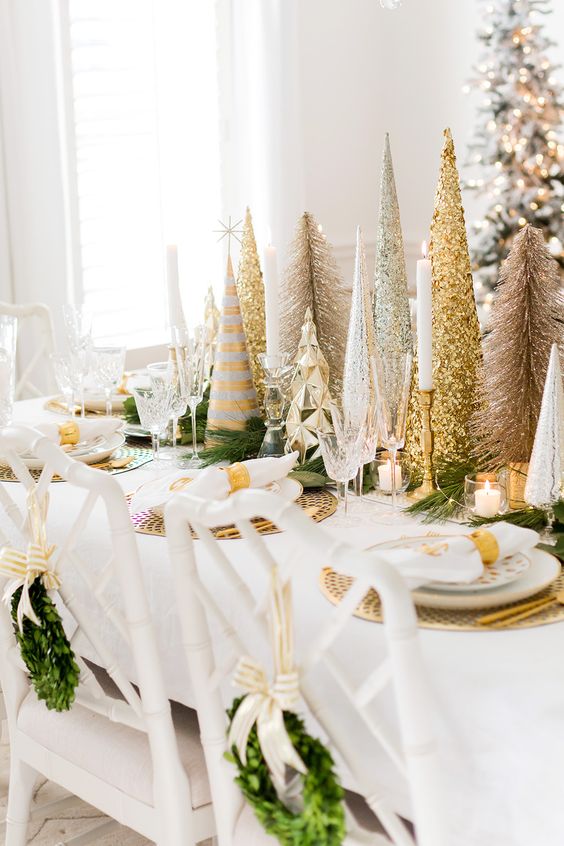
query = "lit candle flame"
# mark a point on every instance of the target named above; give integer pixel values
(424, 249)
(487, 486)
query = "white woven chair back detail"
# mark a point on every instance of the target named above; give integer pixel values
(211, 665)
(117, 600)
(38, 342)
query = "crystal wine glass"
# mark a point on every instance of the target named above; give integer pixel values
(8, 343)
(153, 406)
(191, 357)
(78, 327)
(62, 368)
(341, 452)
(168, 373)
(392, 376)
(108, 364)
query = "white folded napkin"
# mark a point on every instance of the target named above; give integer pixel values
(211, 483)
(455, 559)
(89, 430)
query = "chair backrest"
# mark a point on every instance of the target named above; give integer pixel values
(37, 348)
(240, 628)
(116, 596)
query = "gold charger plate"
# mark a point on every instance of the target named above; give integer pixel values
(335, 585)
(318, 503)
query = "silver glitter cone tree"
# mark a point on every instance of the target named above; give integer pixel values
(392, 317)
(358, 382)
(309, 390)
(312, 280)
(544, 479)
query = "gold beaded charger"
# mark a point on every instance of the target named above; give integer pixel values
(134, 455)
(335, 585)
(318, 503)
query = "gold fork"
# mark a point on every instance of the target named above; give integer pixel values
(508, 616)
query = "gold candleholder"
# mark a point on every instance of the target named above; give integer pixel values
(428, 484)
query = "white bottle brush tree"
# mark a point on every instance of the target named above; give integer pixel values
(518, 150)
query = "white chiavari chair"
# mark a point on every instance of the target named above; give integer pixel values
(40, 342)
(118, 751)
(212, 658)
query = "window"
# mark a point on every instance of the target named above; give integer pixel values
(143, 137)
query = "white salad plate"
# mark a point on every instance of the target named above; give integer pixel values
(543, 569)
(98, 450)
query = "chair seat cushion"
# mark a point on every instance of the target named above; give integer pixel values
(115, 753)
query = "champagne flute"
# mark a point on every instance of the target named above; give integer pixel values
(191, 359)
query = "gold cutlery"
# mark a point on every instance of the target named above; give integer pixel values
(508, 616)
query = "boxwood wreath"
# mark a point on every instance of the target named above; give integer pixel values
(46, 651)
(322, 821)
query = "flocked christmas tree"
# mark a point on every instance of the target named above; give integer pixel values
(518, 151)
(527, 319)
(312, 280)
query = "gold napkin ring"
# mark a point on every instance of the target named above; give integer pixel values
(69, 433)
(180, 484)
(238, 476)
(486, 544)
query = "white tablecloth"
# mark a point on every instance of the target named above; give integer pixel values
(499, 695)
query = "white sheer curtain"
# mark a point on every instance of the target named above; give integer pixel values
(265, 137)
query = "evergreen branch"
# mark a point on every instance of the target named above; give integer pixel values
(527, 518)
(447, 502)
(46, 651)
(233, 446)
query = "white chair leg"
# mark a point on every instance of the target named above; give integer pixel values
(20, 794)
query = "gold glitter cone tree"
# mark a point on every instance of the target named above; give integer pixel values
(457, 351)
(250, 288)
(544, 479)
(358, 380)
(526, 320)
(233, 399)
(312, 280)
(309, 390)
(392, 317)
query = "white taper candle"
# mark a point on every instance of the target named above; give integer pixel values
(271, 303)
(424, 322)
(175, 310)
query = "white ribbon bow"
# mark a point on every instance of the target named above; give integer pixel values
(25, 567)
(265, 703)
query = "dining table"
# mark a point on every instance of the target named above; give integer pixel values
(497, 696)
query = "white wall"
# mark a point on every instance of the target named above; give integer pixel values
(366, 70)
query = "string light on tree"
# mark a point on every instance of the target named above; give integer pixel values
(517, 146)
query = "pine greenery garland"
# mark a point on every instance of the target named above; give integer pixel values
(447, 502)
(322, 821)
(46, 651)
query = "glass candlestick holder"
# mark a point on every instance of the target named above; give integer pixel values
(276, 369)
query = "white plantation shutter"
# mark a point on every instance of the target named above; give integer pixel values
(145, 164)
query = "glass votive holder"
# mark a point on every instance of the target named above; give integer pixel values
(485, 494)
(381, 472)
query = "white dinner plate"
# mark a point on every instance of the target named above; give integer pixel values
(100, 449)
(502, 572)
(544, 568)
(95, 401)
